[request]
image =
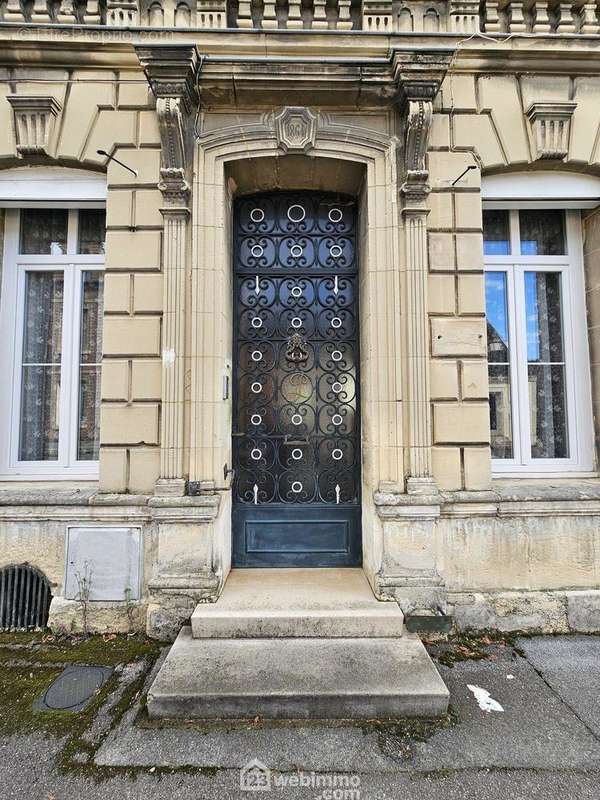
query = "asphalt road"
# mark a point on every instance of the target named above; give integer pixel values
(545, 743)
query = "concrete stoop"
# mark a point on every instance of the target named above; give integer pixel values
(297, 644)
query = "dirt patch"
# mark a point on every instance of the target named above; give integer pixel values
(471, 646)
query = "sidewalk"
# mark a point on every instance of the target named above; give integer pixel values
(545, 742)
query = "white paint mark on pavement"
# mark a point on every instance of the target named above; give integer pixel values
(485, 701)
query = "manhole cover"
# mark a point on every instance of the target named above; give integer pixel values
(73, 689)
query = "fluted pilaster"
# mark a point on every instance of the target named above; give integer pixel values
(171, 72)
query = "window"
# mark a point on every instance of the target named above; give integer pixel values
(538, 365)
(52, 326)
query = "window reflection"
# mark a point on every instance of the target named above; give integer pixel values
(546, 366)
(496, 233)
(499, 364)
(542, 232)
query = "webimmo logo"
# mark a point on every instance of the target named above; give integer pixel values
(255, 777)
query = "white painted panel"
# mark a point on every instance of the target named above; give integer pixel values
(579, 191)
(112, 556)
(30, 185)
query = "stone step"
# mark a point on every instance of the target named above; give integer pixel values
(306, 678)
(332, 603)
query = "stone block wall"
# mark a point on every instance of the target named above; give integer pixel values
(458, 367)
(131, 371)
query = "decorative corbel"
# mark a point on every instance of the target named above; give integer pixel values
(171, 71)
(34, 123)
(418, 116)
(551, 126)
(418, 79)
(173, 182)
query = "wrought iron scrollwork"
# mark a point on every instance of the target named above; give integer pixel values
(296, 423)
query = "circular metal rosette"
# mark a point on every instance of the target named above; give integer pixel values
(336, 253)
(336, 357)
(256, 215)
(335, 216)
(296, 320)
(296, 252)
(296, 293)
(257, 324)
(256, 418)
(296, 421)
(337, 484)
(336, 420)
(305, 365)
(296, 388)
(296, 455)
(336, 451)
(257, 356)
(257, 292)
(296, 214)
(256, 389)
(265, 482)
(336, 292)
(256, 453)
(337, 389)
(257, 252)
(297, 486)
(336, 324)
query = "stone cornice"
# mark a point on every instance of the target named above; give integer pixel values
(102, 46)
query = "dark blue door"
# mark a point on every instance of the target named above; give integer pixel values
(296, 426)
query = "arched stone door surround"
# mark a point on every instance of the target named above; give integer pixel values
(240, 159)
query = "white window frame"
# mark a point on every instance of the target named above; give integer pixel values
(12, 310)
(575, 344)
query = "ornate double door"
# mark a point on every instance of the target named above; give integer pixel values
(296, 426)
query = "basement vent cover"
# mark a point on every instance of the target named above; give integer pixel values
(24, 599)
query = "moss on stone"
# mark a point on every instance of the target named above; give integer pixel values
(104, 651)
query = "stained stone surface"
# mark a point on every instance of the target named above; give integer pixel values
(262, 603)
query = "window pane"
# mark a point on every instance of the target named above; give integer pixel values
(500, 411)
(91, 236)
(44, 231)
(542, 233)
(546, 367)
(40, 387)
(547, 404)
(499, 364)
(90, 357)
(496, 233)
(544, 318)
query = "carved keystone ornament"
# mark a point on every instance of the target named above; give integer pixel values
(296, 129)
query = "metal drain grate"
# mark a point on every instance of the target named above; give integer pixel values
(24, 598)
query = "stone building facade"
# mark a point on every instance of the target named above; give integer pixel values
(466, 137)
